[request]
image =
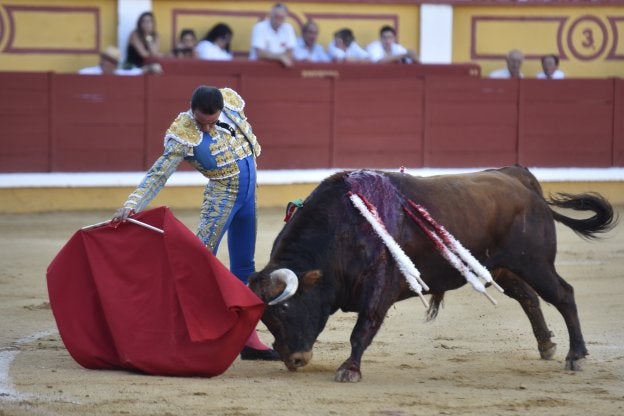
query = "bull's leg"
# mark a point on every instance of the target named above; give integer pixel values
(556, 291)
(517, 289)
(370, 317)
(361, 337)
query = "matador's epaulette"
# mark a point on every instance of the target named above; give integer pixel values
(232, 100)
(184, 130)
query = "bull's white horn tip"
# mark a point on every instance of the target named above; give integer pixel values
(290, 279)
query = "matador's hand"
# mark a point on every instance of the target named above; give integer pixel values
(122, 214)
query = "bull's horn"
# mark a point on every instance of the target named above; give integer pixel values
(290, 280)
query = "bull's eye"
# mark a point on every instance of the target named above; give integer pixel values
(283, 307)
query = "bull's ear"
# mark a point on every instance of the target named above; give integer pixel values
(310, 278)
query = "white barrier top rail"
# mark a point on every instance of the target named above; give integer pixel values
(274, 177)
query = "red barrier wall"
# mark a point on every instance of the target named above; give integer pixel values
(172, 66)
(567, 123)
(292, 119)
(97, 123)
(25, 122)
(378, 122)
(470, 122)
(79, 123)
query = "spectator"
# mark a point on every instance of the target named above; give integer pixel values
(185, 48)
(109, 65)
(307, 48)
(216, 44)
(273, 38)
(550, 68)
(144, 41)
(514, 61)
(387, 50)
(215, 136)
(344, 48)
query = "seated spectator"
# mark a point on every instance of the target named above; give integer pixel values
(388, 50)
(273, 38)
(216, 44)
(109, 65)
(344, 48)
(514, 61)
(185, 48)
(144, 41)
(307, 48)
(550, 68)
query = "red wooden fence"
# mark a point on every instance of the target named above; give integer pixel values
(334, 116)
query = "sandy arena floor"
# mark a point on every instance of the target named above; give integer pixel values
(475, 359)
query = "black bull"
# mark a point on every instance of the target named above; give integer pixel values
(334, 259)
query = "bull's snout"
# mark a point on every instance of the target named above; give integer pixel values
(298, 359)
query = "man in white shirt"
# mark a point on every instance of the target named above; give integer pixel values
(388, 50)
(273, 38)
(514, 64)
(307, 48)
(550, 66)
(344, 48)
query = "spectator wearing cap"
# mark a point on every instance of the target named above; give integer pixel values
(109, 65)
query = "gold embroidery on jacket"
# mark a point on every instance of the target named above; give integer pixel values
(184, 130)
(232, 100)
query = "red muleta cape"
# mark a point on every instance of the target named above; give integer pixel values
(135, 299)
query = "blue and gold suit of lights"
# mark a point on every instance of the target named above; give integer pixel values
(226, 155)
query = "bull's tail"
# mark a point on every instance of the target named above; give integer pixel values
(602, 221)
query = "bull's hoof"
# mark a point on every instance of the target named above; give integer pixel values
(348, 376)
(575, 365)
(349, 372)
(547, 352)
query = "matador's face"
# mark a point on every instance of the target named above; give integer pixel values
(206, 122)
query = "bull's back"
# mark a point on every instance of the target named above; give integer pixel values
(475, 203)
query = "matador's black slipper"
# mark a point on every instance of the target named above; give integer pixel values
(249, 353)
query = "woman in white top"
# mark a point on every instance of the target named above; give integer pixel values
(216, 44)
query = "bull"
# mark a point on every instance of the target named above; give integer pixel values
(327, 256)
